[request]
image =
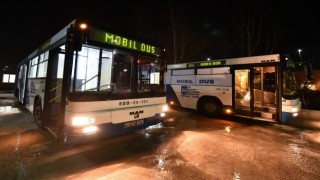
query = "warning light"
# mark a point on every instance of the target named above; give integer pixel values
(228, 111)
(83, 26)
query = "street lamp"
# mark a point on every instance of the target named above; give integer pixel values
(299, 51)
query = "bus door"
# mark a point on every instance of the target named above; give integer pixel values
(264, 92)
(21, 84)
(242, 92)
(53, 88)
(255, 92)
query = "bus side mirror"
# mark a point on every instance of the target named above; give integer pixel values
(74, 39)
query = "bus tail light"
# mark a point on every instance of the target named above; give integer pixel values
(82, 120)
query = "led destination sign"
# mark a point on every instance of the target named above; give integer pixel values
(206, 64)
(124, 42)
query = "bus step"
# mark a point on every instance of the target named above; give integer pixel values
(263, 114)
(266, 109)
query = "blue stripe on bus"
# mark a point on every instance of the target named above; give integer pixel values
(171, 96)
(286, 117)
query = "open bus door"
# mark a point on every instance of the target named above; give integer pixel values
(255, 92)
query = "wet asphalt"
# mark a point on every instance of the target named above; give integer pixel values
(186, 146)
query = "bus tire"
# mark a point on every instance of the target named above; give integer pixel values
(210, 107)
(37, 113)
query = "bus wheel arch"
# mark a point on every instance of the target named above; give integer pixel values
(38, 112)
(210, 105)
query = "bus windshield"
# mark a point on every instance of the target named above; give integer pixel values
(289, 85)
(97, 71)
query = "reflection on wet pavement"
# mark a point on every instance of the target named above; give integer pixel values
(5, 108)
(185, 146)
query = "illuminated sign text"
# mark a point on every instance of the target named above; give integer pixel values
(124, 42)
(206, 64)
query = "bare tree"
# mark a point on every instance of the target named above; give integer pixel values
(256, 32)
(182, 43)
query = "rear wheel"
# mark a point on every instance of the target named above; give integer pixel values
(37, 113)
(210, 107)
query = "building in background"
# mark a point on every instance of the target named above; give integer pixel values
(8, 77)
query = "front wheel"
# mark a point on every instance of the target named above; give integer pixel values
(37, 113)
(210, 107)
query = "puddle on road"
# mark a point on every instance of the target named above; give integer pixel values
(227, 129)
(236, 176)
(294, 148)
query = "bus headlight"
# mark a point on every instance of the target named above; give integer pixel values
(162, 114)
(82, 120)
(165, 108)
(90, 129)
(294, 110)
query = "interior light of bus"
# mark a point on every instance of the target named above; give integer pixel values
(90, 129)
(80, 121)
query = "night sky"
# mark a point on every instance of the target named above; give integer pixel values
(26, 25)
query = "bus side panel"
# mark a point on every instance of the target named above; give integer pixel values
(172, 97)
(223, 93)
(188, 96)
(185, 96)
(36, 88)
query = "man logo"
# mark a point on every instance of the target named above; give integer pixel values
(184, 90)
(136, 113)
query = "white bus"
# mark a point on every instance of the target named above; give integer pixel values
(257, 87)
(87, 81)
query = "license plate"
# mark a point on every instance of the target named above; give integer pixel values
(133, 123)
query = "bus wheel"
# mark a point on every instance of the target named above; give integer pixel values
(37, 112)
(210, 107)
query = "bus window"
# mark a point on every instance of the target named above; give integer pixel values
(33, 68)
(289, 85)
(87, 69)
(122, 71)
(148, 74)
(43, 63)
(106, 69)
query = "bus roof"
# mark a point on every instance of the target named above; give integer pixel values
(227, 62)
